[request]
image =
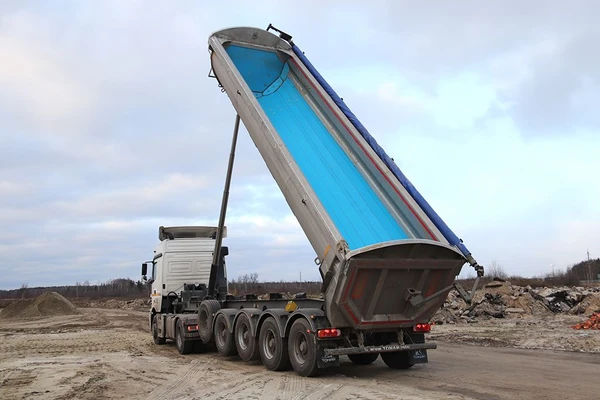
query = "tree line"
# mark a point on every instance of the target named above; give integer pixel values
(587, 271)
(576, 274)
(130, 289)
(121, 287)
(249, 283)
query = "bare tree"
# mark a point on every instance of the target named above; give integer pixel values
(23, 290)
(495, 270)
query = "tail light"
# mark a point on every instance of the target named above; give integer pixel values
(422, 328)
(328, 333)
(192, 328)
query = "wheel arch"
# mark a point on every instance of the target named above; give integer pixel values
(315, 317)
(252, 314)
(278, 315)
(230, 315)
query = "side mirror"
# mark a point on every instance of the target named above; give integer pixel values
(144, 269)
(224, 251)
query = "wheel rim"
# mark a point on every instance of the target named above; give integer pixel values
(243, 336)
(300, 348)
(221, 333)
(203, 318)
(269, 344)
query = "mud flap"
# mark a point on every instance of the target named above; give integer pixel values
(326, 360)
(418, 356)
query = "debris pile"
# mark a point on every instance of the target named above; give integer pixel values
(45, 305)
(592, 323)
(135, 304)
(501, 299)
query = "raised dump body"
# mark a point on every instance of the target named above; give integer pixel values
(387, 260)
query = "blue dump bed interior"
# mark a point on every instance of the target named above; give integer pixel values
(352, 204)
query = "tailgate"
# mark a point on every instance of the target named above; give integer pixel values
(396, 284)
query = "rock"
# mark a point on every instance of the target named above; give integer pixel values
(494, 299)
(589, 305)
(564, 307)
(546, 292)
(514, 310)
(493, 284)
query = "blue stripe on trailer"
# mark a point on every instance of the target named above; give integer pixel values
(429, 211)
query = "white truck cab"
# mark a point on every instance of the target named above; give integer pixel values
(183, 257)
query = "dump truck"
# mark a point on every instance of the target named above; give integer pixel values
(387, 260)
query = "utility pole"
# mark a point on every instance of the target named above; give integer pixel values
(589, 267)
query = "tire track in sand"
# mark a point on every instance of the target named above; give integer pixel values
(190, 378)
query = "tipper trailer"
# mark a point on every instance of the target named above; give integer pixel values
(387, 260)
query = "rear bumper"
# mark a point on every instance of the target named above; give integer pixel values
(388, 348)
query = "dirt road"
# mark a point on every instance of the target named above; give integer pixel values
(108, 354)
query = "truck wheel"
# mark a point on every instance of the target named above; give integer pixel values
(155, 337)
(183, 346)
(363, 359)
(302, 348)
(399, 360)
(224, 338)
(244, 341)
(206, 313)
(273, 348)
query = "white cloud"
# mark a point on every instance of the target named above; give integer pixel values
(39, 87)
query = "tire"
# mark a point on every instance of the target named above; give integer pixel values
(223, 338)
(155, 337)
(206, 313)
(302, 349)
(363, 359)
(272, 347)
(400, 360)
(183, 346)
(246, 344)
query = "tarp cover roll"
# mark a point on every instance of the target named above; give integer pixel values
(429, 211)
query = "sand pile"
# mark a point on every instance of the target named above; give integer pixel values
(46, 305)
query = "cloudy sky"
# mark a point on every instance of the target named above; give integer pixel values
(110, 127)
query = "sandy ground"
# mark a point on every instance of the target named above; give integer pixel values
(549, 332)
(109, 354)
